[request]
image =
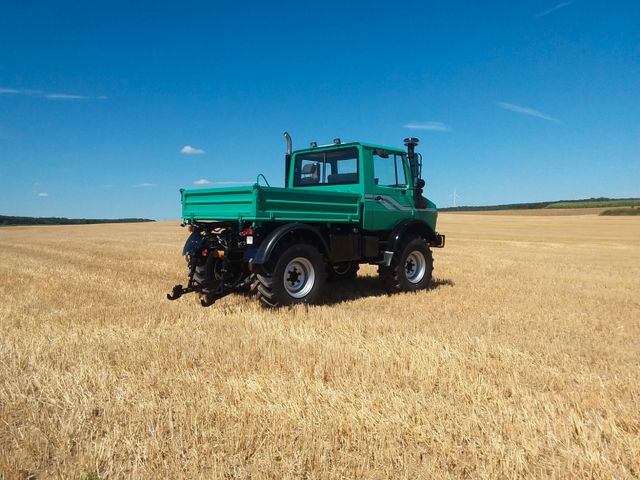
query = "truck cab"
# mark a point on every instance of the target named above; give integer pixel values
(382, 176)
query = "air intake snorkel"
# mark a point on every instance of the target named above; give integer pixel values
(416, 171)
(287, 159)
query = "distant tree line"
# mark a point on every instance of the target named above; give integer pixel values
(601, 202)
(622, 211)
(506, 206)
(11, 220)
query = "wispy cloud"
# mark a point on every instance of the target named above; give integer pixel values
(69, 96)
(553, 9)
(202, 181)
(512, 107)
(144, 185)
(40, 93)
(37, 190)
(432, 126)
(16, 91)
(189, 150)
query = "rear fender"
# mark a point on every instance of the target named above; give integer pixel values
(264, 251)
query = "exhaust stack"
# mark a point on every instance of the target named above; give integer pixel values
(418, 183)
(287, 158)
(411, 143)
(287, 137)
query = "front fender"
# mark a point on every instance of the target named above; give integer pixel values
(410, 226)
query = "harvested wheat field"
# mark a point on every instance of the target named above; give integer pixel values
(523, 360)
(542, 212)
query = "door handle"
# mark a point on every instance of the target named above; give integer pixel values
(378, 198)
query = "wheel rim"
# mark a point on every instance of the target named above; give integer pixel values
(299, 277)
(415, 266)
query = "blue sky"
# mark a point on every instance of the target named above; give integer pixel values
(513, 101)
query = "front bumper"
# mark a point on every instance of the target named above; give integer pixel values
(439, 241)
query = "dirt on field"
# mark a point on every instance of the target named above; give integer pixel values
(521, 361)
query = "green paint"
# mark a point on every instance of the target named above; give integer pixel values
(363, 203)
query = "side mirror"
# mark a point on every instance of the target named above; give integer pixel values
(420, 183)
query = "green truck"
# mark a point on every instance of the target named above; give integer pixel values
(343, 204)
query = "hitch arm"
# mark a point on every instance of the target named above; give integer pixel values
(178, 291)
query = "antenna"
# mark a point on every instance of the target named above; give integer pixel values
(455, 197)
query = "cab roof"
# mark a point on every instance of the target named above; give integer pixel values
(332, 146)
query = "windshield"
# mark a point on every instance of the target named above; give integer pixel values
(388, 168)
(330, 167)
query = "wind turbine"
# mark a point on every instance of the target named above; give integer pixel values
(455, 197)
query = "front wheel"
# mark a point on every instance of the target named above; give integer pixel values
(298, 276)
(411, 268)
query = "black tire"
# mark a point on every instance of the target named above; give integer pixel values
(295, 274)
(203, 274)
(411, 268)
(343, 271)
(207, 274)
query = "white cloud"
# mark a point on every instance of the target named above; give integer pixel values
(202, 181)
(16, 91)
(432, 126)
(512, 107)
(40, 93)
(66, 96)
(553, 9)
(145, 184)
(43, 194)
(189, 150)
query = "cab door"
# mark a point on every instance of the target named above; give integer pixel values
(389, 200)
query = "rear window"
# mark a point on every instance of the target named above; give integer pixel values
(331, 167)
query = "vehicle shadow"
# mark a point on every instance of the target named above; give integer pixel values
(362, 287)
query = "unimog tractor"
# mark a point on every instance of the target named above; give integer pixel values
(343, 204)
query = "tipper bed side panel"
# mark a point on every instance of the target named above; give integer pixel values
(271, 204)
(287, 204)
(218, 203)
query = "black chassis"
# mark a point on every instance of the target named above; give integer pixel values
(220, 261)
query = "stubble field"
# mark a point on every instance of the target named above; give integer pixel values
(523, 360)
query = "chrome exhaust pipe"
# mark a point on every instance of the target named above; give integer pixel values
(287, 159)
(287, 137)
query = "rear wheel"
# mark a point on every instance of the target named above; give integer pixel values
(411, 268)
(297, 275)
(337, 272)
